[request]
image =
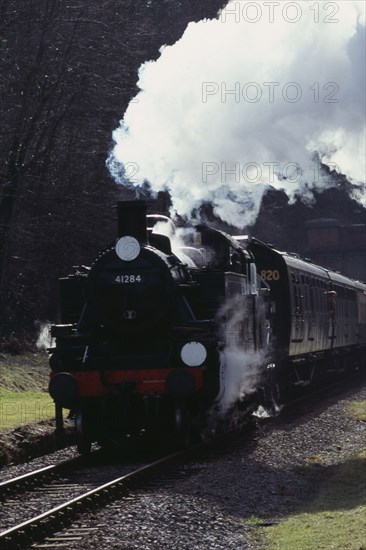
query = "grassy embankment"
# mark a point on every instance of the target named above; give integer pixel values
(23, 390)
(336, 519)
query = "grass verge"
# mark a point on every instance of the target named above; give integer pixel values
(23, 390)
(336, 520)
(357, 409)
(18, 408)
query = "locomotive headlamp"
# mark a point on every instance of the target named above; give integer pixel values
(127, 248)
(193, 354)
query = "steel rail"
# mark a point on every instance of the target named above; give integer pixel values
(37, 528)
(21, 482)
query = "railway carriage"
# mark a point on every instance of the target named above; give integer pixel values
(318, 317)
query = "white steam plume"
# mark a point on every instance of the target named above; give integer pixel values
(242, 366)
(253, 98)
(179, 237)
(243, 371)
(44, 336)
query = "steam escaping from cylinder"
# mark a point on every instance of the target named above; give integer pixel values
(243, 372)
(267, 94)
(245, 351)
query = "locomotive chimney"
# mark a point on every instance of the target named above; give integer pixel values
(132, 219)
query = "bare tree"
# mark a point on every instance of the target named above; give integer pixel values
(69, 71)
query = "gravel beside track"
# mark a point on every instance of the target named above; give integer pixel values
(29, 441)
(270, 475)
(8, 472)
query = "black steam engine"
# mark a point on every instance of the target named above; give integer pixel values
(168, 343)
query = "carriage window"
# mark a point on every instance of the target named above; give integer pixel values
(311, 295)
(298, 300)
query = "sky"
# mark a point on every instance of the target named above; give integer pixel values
(262, 96)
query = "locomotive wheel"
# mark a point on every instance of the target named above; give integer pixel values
(182, 427)
(208, 428)
(276, 390)
(207, 434)
(83, 440)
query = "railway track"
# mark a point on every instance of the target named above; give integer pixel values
(52, 499)
(25, 481)
(59, 495)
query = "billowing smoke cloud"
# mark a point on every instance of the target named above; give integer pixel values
(255, 98)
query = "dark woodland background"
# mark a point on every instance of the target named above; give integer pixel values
(68, 72)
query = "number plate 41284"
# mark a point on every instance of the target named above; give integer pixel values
(128, 279)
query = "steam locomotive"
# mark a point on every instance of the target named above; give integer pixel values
(160, 338)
